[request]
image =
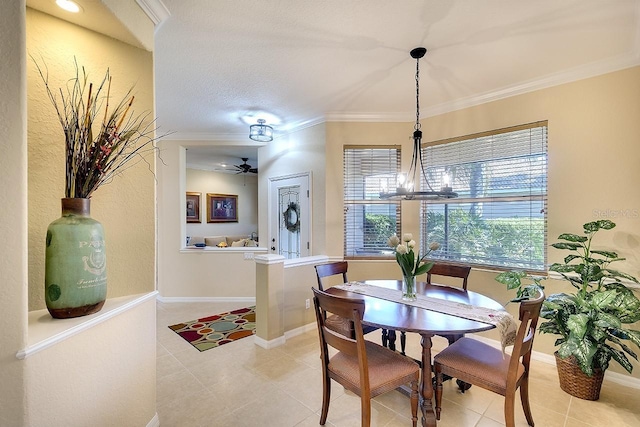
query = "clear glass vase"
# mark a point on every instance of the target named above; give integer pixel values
(409, 288)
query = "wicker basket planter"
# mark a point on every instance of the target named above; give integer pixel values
(577, 383)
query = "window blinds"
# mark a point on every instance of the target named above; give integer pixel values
(369, 221)
(499, 218)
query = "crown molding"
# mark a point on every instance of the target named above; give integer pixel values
(204, 136)
(594, 69)
(370, 117)
(155, 10)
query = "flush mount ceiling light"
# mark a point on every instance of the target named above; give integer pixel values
(261, 132)
(405, 183)
(68, 5)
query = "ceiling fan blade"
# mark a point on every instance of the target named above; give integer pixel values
(253, 170)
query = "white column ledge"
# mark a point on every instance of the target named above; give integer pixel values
(45, 331)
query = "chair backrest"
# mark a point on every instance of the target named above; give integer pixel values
(349, 308)
(529, 314)
(450, 270)
(331, 269)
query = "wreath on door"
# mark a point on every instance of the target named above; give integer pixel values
(292, 217)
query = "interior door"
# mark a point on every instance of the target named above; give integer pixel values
(289, 216)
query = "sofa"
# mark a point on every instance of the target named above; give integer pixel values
(229, 241)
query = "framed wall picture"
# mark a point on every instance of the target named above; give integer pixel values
(222, 208)
(193, 207)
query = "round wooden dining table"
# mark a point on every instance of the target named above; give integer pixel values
(399, 316)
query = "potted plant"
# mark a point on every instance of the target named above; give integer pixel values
(590, 321)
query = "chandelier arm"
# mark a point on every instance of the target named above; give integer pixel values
(407, 192)
(424, 174)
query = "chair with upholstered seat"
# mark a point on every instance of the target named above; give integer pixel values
(335, 322)
(360, 366)
(475, 362)
(448, 270)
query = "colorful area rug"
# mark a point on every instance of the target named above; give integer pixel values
(214, 331)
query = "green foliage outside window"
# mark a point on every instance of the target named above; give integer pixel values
(377, 229)
(519, 242)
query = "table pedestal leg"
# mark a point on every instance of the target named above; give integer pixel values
(426, 385)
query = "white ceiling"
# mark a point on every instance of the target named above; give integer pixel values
(305, 61)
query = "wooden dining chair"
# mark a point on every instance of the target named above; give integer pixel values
(335, 322)
(475, 362)
(365, 368)
(448, 270)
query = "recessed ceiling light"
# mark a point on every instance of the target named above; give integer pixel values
(69, 6)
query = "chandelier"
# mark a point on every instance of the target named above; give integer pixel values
(405, 183)
(261, 132)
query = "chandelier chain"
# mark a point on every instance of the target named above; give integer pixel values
(417, 125)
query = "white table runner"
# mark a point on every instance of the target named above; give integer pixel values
(501, 319)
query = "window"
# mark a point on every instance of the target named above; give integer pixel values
(369, 221)
(499, 218)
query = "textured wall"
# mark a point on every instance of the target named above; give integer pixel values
(13, 211)
(126, 206)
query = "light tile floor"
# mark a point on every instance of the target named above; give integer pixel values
(243, 385)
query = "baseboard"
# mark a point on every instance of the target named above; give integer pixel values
(269, 344)
(155, 421)
(248, 300)
(301, 330)
(614, 377)
(287, 335)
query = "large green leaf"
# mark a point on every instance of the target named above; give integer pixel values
(572, 238)
(549, 328)
(607, 254)
(590, 272)
(594, 226)
(583, 350)
(621, 358)
(570, 258)
(577, 324)
(604, 300)
(563, 268)
(606, 224)
(634, 336)
(424, 268)
(568, 245)
(602, 357)
(559, 301)
(606, 320)
(623, 346)
(512, 279)
(615, 273)
(626, 305)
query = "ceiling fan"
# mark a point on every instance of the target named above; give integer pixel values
(245, 168)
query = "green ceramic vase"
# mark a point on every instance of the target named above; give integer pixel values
(76, 265)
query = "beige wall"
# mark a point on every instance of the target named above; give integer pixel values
(593, 168)
(188, 273)
(102, 377)
(125, 207)
(13, 211)
(99, 372)
(245, 186)
(299, 152)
